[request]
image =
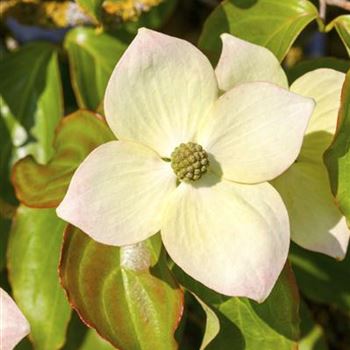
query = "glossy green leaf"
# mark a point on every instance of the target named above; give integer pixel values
(247, 325)
(212, 326)
(80, 337)
(274, 24)
(93, 341)
(321, 278)
(312, 336)
(305, 66)
(313, 340)
(154, 18)
(25, 344)
(7, 198)
(6, 213)
(127, 294)
(30, 86)
(4, 234)
(75, 334)
(44, 186)
(337, 157)
(33, 257)
(92, 57)
(6, 156)
(342, 26)
(92, 8)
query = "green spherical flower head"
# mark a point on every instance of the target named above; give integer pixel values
(189, 161)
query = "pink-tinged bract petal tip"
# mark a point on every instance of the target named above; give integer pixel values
(233, 238)
(118, 194)
(13, 325)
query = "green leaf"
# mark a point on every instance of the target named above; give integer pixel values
(337, 157)
(80, 337)
(75, 334)
(44, 186)
(92, 57)
(312, 336)
(305, 66)
(7, 197)
(127, 294)
(4, 234)
(321, 278)
(33, 257)
(92, 8)
(212, 326)
(6, 156)
(25, 344)
(245, 324)
(154, 18)
(274, 24)
(93, 341)
(342, 26)
(31, 89)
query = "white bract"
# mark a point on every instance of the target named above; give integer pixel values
(13, 325)
(222, 222)
(316, 222)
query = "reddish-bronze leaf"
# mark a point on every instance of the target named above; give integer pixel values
(127, 294)
(43, 186)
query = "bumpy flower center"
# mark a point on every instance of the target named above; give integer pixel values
(189, 161)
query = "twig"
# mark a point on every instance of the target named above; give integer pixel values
(344, 4)
(323, 9)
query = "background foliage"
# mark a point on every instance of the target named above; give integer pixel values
(56, 59)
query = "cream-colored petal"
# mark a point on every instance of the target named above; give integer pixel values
(13, 325)
(118, 193)
(242, 61)
(160, 92)
(256, 131)
(316, 222)
(324, 86)
(231, 237)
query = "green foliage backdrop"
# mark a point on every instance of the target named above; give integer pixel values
(52, 118)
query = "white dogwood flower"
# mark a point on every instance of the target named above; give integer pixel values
(192, 164)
